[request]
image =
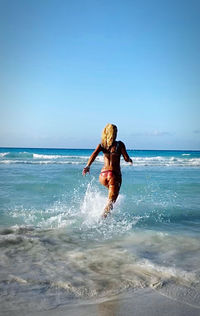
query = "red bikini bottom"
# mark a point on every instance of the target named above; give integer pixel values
(111, 173)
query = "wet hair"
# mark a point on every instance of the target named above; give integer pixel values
(109, 135)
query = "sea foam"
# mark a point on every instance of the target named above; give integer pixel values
(157, 161)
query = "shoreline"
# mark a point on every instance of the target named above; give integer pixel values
(142, 302)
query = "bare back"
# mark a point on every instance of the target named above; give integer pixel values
(112, 157)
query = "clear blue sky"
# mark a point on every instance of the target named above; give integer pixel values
(67, 68)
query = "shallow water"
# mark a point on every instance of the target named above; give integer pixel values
(55, 247)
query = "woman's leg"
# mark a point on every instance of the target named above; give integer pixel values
(114, 185)
(103, 180)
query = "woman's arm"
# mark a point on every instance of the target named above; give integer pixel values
(91, 159)
(125, 154)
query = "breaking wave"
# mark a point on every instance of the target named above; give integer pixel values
(184, 160)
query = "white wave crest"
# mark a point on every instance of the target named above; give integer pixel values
(39, 156)
(165, 161)
(3, 154)
(28, 158)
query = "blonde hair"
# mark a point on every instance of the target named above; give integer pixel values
(109, 135)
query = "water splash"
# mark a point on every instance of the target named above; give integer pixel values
(93, 204)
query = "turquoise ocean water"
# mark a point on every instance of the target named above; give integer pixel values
(55, 248)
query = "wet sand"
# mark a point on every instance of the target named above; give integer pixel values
(143, 302)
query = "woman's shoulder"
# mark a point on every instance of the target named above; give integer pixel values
(117, 146)
(120, 143)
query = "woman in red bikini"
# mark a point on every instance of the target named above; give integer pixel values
(110, 175)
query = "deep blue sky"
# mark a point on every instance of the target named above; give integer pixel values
(67, 68)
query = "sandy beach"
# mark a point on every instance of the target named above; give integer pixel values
(143, 302)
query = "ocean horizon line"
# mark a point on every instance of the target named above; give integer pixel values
(72, 148)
